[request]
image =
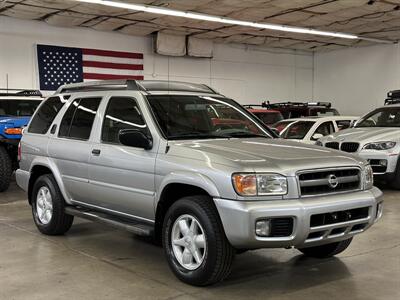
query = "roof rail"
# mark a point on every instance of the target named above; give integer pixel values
(100, 85)
(20, 92)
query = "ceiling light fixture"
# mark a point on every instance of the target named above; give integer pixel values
(223, 20)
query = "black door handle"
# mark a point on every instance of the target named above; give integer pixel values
(96, 151)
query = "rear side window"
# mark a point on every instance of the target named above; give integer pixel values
(43, 118)
(325, 128)
(78, 120)
(121, 113)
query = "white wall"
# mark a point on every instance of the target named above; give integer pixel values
(246, 74)
(357, 80)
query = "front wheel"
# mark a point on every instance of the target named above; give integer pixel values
(328, 250)
(194, 241)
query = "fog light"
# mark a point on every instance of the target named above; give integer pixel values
(379, 210)
(263, 227)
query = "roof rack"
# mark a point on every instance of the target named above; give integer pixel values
(296, 104)
(135, 85)
(393, 97)
(99, 86)
(20, 92)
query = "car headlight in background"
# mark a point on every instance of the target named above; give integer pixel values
(259, 184)
(380, 145)
(368, 177)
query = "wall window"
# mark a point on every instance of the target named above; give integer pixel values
(121, 113)
(78, 120)
(43, 118)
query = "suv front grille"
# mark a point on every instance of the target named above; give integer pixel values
(329, 181)
(332, 145)
(349, 147)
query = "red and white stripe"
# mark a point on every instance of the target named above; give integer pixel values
(106, 65)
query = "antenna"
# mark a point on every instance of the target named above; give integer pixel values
(168, 112)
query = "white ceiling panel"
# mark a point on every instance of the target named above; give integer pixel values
(375, 19)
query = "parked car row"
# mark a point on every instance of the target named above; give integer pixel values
(194, 170)
(376, 138)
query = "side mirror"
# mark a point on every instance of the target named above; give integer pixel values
(135, 138)
(317, 136)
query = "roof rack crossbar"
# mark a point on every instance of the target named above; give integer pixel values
(129, 84)
(20, 92)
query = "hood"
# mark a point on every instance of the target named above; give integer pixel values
(365, 135)
(262, 155)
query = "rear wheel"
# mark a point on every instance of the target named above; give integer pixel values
(194, 241)
(5, 169)
(48, 207)
(327, 250)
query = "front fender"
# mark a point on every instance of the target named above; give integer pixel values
(185, 177)
(49, 163)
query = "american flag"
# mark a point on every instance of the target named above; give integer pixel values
(61, 65)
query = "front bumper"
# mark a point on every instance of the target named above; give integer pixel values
(239, 218)
(375, 157)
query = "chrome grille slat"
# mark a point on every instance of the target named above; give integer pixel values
(325, 181)
(329, 181)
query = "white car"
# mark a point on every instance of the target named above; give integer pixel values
(309, 130)
(376, 138)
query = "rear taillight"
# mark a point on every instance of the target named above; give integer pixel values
(19, 151)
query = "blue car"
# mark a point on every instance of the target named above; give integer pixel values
(16, 109)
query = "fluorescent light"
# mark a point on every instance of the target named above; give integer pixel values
(223, 20)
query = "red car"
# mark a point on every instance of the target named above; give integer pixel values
(267, 116)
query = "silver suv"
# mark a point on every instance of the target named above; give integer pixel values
(154, 158)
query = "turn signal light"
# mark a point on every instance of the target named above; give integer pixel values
(13, 131)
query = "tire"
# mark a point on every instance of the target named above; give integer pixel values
(217, 254)
(5, 169)
(327, 250)
(395, 182)
(59, 222)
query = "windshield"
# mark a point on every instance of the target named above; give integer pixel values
(18, 108)
(195, 117)
(282, 125)
(297, 130)
(382, 117)
(270, 117)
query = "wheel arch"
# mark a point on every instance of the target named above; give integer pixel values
(179, 185)
(41, 167)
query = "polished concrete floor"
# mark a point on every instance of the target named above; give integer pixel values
(97, 262)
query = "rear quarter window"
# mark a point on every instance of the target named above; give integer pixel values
(45, 115)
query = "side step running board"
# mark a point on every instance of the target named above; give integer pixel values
(137, 228)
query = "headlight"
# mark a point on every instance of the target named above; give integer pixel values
(259, 184)
(380, 145)
(368, 177)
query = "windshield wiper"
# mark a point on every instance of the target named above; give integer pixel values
(197, 135)
(243, 134)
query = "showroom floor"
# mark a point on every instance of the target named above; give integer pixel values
(97, 262)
